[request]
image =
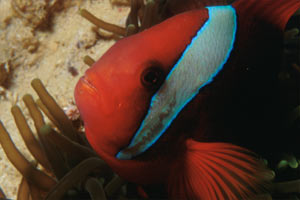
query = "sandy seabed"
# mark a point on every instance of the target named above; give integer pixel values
(44, 39)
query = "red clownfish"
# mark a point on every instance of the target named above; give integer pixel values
(152, 101)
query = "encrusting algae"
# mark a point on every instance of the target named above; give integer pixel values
(66, 167)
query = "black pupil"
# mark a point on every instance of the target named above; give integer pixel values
(151, 77)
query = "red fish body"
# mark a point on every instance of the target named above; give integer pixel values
(153, 102)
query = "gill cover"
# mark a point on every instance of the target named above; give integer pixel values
(201, 61)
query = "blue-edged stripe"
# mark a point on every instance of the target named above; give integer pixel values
(182, 66)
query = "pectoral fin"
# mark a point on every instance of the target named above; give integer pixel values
(217, 171)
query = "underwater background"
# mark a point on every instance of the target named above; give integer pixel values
(49, 39)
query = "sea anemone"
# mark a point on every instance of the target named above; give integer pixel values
(144, 14)
(66, 167)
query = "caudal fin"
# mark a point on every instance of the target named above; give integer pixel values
(217, 171)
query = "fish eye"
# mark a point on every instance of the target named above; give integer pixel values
(152, 77)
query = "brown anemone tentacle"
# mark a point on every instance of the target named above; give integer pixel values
(73, 150)
(34, 192)
(113, 186)
(35, 113)
(102, 24)
(64, 123)
(289, 34)
(2, 195)
(133, 18)
(148, 18)
(31, 142)
(286, 187)
(46, 112)
(88, 60)
(141, 10)
(76, 175)
(121, 2)
(37, 177)
(95, 189)
(262, 197)
(103, 34)
(55, 157)
(131, 29)
(23, 190)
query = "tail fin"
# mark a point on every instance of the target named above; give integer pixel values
(217, 171)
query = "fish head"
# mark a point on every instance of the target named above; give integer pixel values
(144, 81)
(114, 95)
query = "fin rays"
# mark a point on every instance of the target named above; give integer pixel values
(217, 171)
(235, 175)
(226, 177)
(218, 181)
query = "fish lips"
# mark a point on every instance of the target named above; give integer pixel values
(98, 111)
(88, 99)
(85, 85)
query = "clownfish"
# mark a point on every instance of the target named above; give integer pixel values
(154, 102)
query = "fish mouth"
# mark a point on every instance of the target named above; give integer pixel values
(87, 84)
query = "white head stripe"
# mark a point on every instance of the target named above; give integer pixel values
(198, 65)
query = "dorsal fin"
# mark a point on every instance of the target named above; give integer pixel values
(260, 27)
(171, 8)
(259, 34)
(273, 12)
